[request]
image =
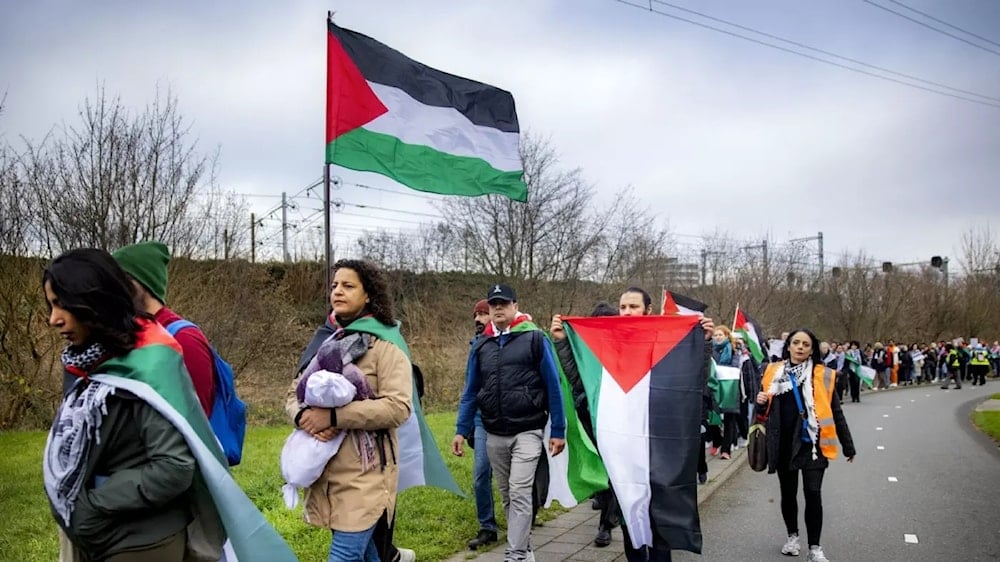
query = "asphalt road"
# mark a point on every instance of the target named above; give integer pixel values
(946, 495)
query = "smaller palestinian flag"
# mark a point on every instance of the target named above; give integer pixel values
(426, 129)
(749, 329)
(728, 396)
(643, 380)
(864, 372)
(678, 304)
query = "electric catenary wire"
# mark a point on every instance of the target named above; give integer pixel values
(649, 8)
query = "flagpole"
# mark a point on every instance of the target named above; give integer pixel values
(663, 300)
(736, 315)
(327, 250)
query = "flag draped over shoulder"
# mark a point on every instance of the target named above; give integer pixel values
(751, 332)
(424, 128)
(678, 304)
(420, 462)
(643, 379)
(220, 503)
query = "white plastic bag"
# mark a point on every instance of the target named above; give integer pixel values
(304, 457)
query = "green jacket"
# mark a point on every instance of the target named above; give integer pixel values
(137, 482)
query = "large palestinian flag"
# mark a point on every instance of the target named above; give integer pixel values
(424, 128)
(643, 379)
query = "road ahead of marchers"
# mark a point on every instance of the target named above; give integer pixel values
(946, 493)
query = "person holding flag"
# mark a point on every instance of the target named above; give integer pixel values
(131, 468)
(654, 488)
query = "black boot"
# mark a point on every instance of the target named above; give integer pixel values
(484, 538)
(603, 537)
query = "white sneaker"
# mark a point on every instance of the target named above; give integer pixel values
(816, 555)
(406, 555)
(791, 547)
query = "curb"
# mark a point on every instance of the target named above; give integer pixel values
(725, 471)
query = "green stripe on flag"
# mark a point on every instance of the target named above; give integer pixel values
(590, 370)
(586, 474)
(423, 168)
(752, 345)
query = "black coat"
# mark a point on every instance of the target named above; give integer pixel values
(782, 435)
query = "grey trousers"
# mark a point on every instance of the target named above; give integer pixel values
(514, 460)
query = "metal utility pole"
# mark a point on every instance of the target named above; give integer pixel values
(284, 227)
(819, 242)
(763, 247)
(253, 238)
(704, 266)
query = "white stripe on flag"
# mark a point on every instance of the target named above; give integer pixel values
(623, 439)
(443, 129)
(558, 471)
(411, 453)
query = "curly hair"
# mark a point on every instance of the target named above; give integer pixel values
(374, 283)
(729, 334)
(91, 285)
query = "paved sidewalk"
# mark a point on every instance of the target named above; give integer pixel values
(571, 535)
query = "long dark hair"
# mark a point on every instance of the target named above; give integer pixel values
(374, 283)
(816, 358)
(91, 285)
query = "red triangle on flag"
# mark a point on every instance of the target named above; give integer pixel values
(629, 346)
(350, 101)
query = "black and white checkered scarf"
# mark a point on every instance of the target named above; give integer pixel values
(75, 427)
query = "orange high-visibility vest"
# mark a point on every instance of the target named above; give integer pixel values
(824, 379)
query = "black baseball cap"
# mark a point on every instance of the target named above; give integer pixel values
(500, 292)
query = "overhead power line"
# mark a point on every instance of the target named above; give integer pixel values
(649, 8)
(828, 53)
(942, 22)
(929, 26)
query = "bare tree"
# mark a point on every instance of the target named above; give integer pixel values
(545, 238)
(116, 178)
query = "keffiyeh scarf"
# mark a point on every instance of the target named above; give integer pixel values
(75, 427)
(350, 347)
(782, 383)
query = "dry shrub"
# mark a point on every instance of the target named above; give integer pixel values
(30, 380)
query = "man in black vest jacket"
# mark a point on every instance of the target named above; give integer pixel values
(513, 380)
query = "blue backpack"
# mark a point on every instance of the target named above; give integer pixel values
(229, 413)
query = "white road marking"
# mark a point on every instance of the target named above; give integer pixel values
(885, 415)
(927, 395)
(878, 429)
(893, 479)
(880, 448)
(898, 407)
(910, 539)
(912, 400)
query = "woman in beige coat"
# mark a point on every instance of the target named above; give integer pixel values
(357, 489)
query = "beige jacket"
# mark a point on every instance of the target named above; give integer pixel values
(344, 498)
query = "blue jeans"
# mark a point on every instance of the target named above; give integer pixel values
(482, 481)
(353, 547)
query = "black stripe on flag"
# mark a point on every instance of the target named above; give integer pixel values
(480, 103)
(675, 401)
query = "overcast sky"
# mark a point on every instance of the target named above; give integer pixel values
(714, 132)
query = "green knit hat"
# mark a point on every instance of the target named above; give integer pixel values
(147, 262)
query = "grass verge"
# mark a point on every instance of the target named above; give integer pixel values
(989, 423)
(435, 523)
